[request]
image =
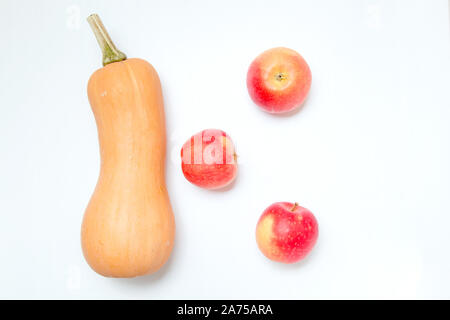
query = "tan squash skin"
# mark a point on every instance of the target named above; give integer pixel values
(128, 227)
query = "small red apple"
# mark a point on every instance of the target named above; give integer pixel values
(278, 80)
(208, 159)
(286, 232)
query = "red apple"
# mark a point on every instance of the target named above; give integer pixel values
(286, 232)
(208, 159)
(278, 80)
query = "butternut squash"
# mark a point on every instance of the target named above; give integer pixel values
(128, 227)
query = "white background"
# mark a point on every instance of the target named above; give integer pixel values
(369, 153)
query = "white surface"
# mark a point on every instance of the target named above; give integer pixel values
(369, 154)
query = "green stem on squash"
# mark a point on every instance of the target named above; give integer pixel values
(110, 52)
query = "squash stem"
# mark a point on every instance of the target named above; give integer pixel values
(110, 52)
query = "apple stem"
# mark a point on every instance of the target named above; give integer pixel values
(280, 76)
(294, 207)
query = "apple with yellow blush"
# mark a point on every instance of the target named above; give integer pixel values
(286, 232)
(278, 80)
